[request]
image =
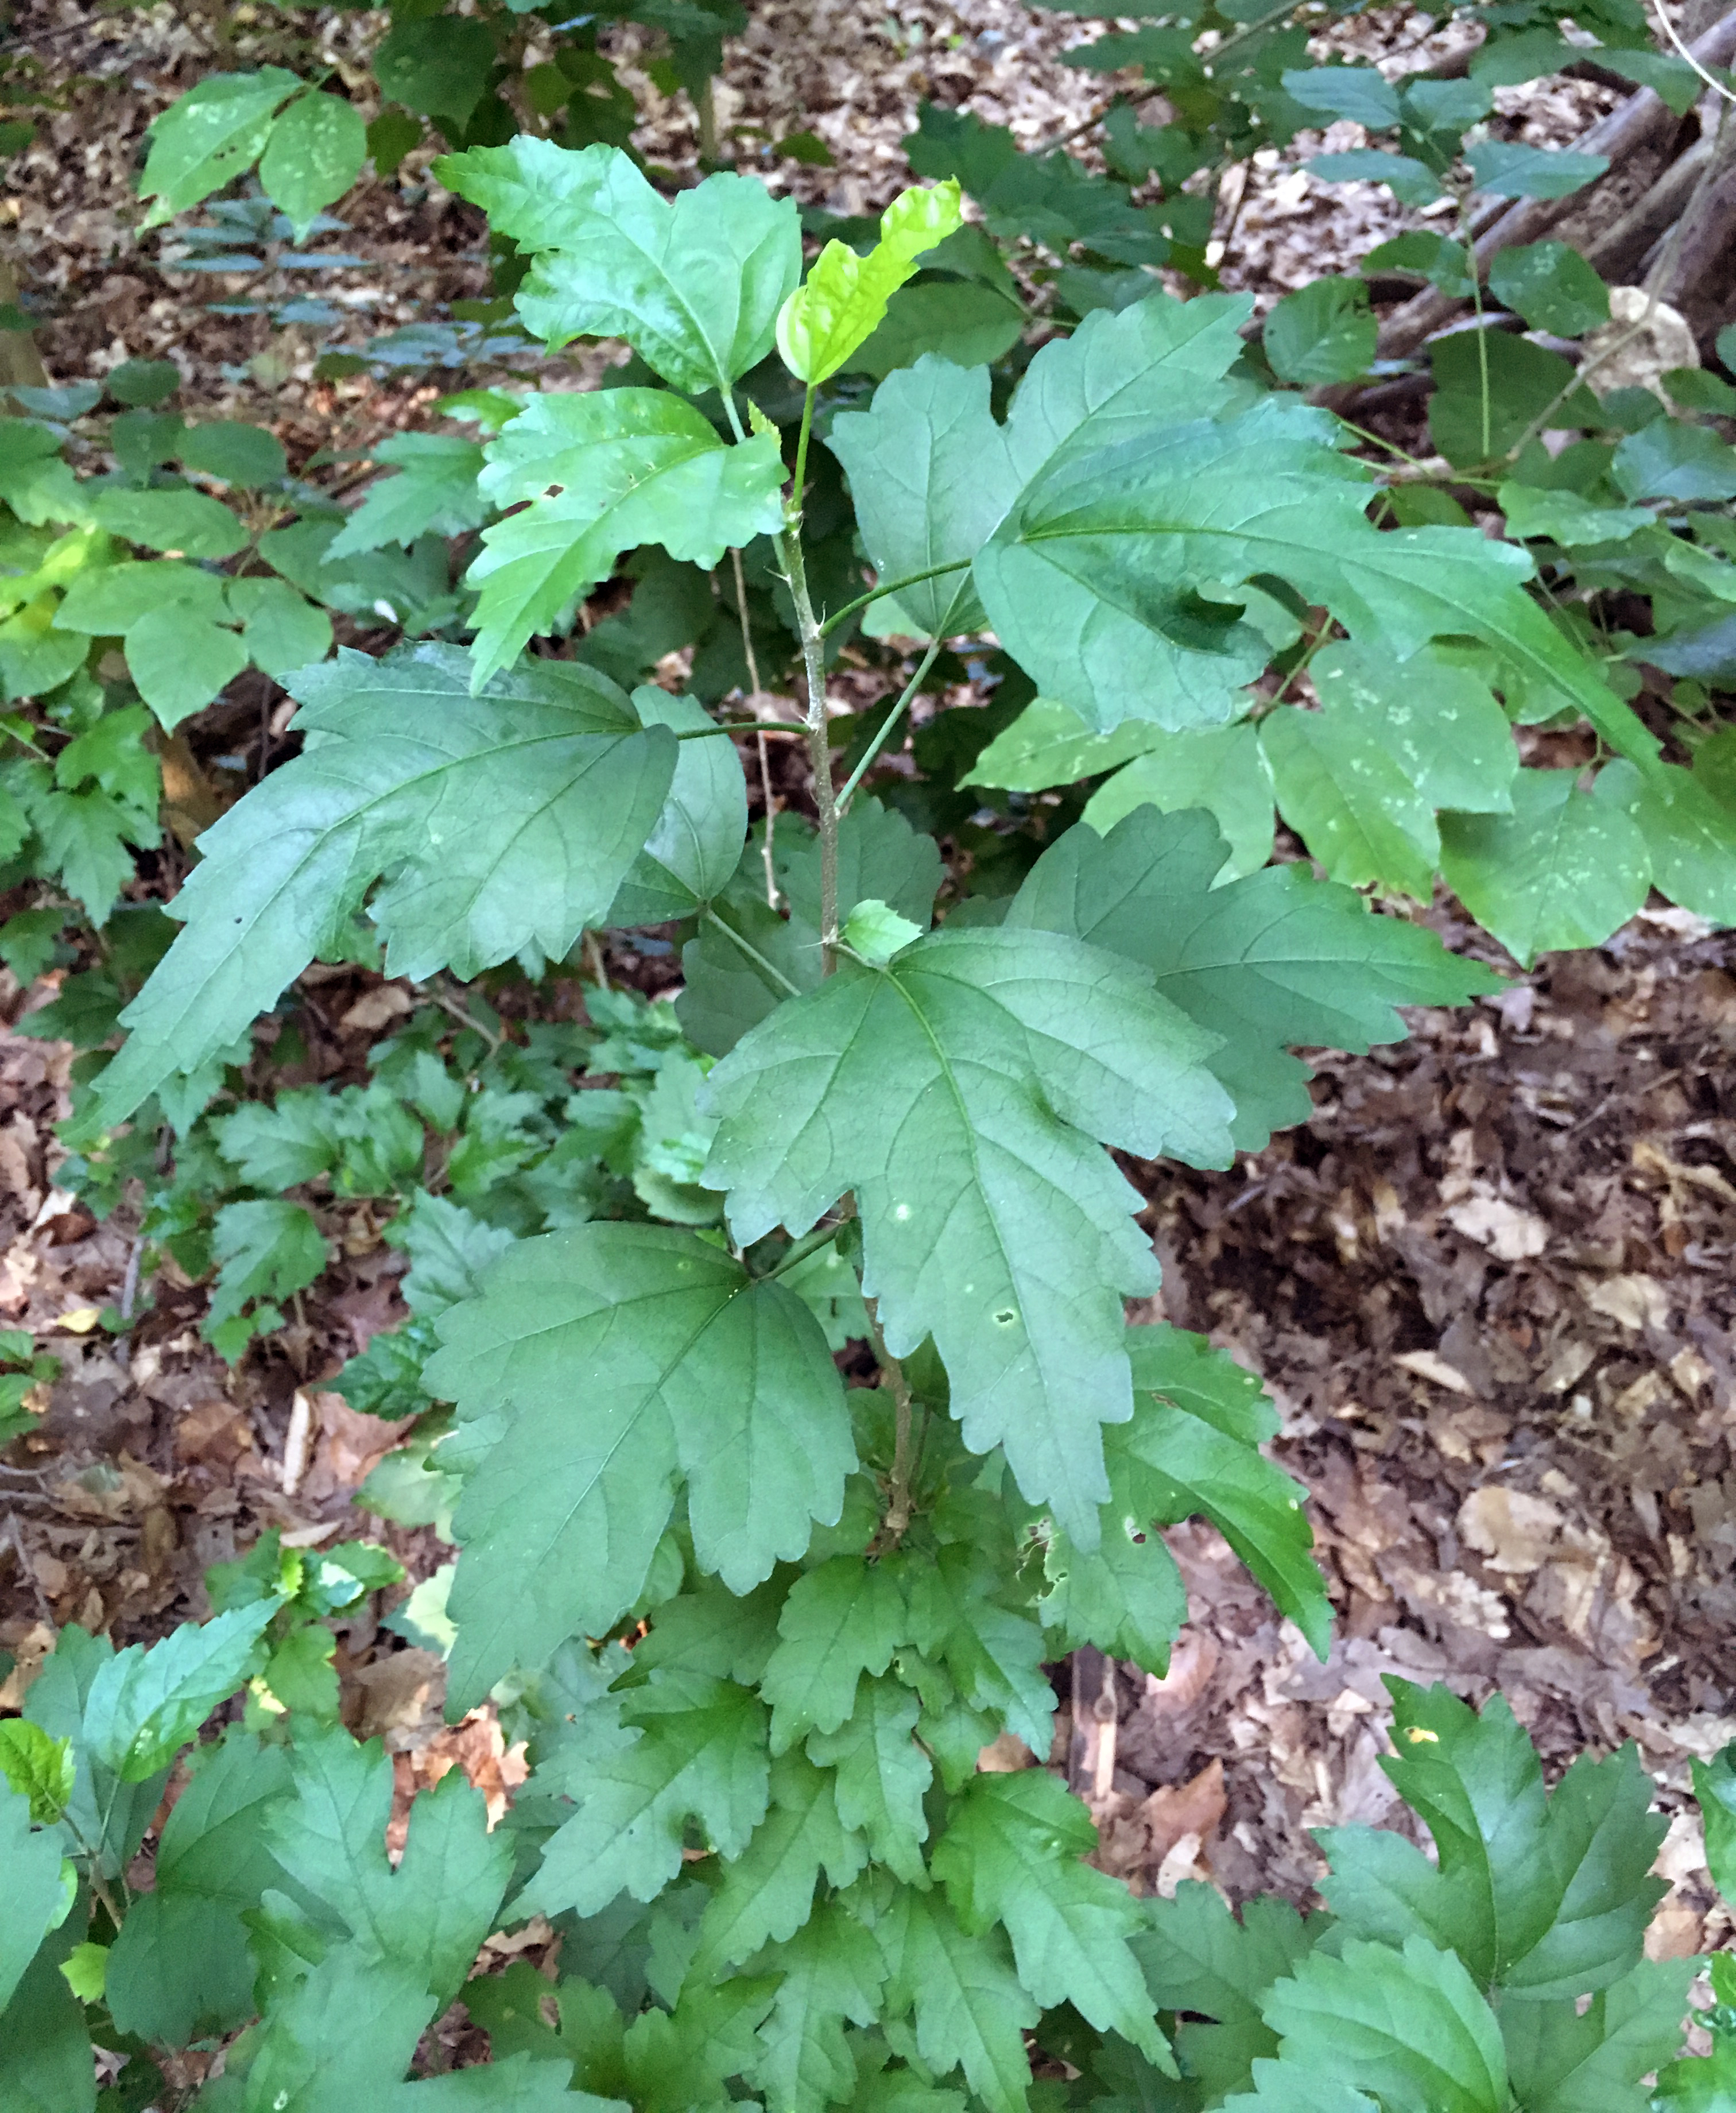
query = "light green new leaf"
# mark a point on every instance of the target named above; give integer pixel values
(1439, 725)
(1563, 869)
(1193, 1447)
(844, 296)
(978, 1070)
(930, 475)
(208, 136)
(36, 1898)
(627, 467)
(832, 1971)
(41, 1769)
(971, 2010)
(433, 492)
(700, 1755)
(1562, 2059)
(874, 933)
(694, 287)
(429, 1915)
(1349, 799)
(1410, 2028)
(1222, 769)
(766, 1894)
(881, 1774)
(144, 1705)
(1546, 1896)
(171, 518)
(1011, 1854)
(695, 846)
(691, 1370)
(1049, 743)
(180, 1966)
(314, 155)
(839, 1622)
(510, 819)
(1275, 960)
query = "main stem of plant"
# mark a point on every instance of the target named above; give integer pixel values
(813, 662)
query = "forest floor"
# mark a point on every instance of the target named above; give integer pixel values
(1489, 1285)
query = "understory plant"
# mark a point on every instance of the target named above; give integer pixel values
(791, 1424)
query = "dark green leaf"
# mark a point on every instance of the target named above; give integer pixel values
(1551, 286)
(1410, 2028)
(881, 1774)
(660, 1322)
(628, 467)
(1564, 2059)
(698, 1753)
(1544, 1895)
(1273, 960)
(694, 287)
(1011, 1856)
(402, 766)
(990, 1220)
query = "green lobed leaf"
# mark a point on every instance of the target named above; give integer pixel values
(1565, 869)
(629, 467)
(1408, 2027)
(426, 1917)
(881, 1774)
(699, 1753)
(1543, 1895)
(1198, 1956)
(145, 1704)
(767, 1894)
(1193, 1447)
(660, 1322)
(1273, 960)
(978, 1069)
(1010, 1856)
(970, 2009)
(1562, 2058)
(694, 287)
(399, 765)
(832, 1972)
(838, 1622)
(932, 473)
(434, 490)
